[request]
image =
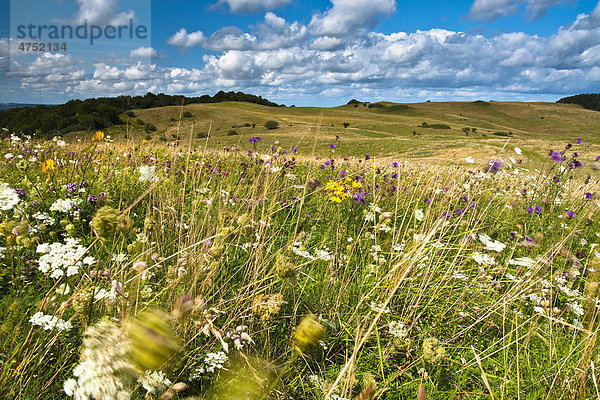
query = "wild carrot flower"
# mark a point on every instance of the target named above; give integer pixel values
(8, 197)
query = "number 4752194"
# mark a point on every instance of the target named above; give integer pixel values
(43, 46)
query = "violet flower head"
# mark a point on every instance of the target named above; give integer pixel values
(538, 209)
(556, 156)
(571, 214)
(367, 157)
(331, 145)
(578, 140)
(588, 196)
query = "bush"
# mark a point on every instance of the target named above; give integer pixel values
(130, 114)
(346, 124)
(187, 114)
(232, 132)
(376, 105)
(503, 134)
(202, 135)
(271, 124)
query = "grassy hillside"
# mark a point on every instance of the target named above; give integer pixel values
(393, 130)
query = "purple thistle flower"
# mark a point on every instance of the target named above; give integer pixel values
(92, 199)
(395, 164)
(343, 174)
(577, 164)
(571, 214)
(249, 153)
(556, 156)
(530, 210)
(359, 197)
(331, 145)
(538, 209)
(426, 200)
(367, 157)
(71, 187)
(458, 211)
(395, 176)
(337, 137)
(294, 149)
(598, 158)
(588, 195)
(578, 140)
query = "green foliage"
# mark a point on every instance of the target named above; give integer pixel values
(232, 132)
(591, 101)
(101, 113)
(270, 124)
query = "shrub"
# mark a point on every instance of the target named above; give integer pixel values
(202, 135)
(346, 124)
(130, 114)
(503, 134)
(271, 124)
(187, 114)
(232, 132)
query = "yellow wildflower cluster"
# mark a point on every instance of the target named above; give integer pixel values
(342, 189)
(98, 137)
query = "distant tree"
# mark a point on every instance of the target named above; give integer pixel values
(346, 124)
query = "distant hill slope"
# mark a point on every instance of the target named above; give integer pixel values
(442, 131)
(100, 113)
(591, 101)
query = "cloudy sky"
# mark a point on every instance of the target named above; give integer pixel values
(321, 52)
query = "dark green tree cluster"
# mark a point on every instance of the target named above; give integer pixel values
(100, 113)
(591, 101)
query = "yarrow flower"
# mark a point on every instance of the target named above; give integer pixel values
(61, 259)
(147, 173)
(49, 322)
(8, 197)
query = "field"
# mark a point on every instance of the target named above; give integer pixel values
(397, 260)
(390, 131)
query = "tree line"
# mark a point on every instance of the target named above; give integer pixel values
(591, 101)
(100, 113)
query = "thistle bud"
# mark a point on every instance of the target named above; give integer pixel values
(308, 334)
(105, 222)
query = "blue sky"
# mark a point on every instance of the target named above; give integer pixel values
(322, 52)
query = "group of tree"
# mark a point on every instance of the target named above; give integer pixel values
(100, 113)
(591, 101)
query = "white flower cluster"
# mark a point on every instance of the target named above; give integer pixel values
(212, 362)
(59, 259)
(103, 365)
(8, 197)
(147, 173)
(50, 322)
(398, 330)
(299, 249)
(65, 205)
(44, 217)
(239, 337)
(483, 259)
(154, 382)
(491, 244)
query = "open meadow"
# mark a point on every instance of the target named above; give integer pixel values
(399, 251)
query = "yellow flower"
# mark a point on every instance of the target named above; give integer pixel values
(99, 136)
(356, 184)
(48, 166)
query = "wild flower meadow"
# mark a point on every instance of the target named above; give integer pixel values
(130, 272)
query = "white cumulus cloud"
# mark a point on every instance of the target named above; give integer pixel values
(186, 40)
(252, 6)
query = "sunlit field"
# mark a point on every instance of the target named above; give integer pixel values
(280, 269)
